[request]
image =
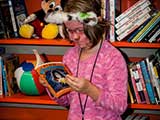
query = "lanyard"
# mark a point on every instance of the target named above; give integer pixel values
(95, 61)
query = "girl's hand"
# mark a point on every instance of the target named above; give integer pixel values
(78, 84)
(42, 82)
(83, 86)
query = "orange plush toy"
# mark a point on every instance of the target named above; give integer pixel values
(35, 22)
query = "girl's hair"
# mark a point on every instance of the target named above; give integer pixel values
(94, 33)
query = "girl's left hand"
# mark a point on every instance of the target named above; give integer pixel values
(78, 84)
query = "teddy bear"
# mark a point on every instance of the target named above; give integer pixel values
(34, 26)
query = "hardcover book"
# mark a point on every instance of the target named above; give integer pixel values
(54, 74)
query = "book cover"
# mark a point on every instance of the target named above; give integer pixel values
(147, 28)
(154, 36)
(54, 74)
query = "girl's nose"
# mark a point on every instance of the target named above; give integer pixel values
(75, 36)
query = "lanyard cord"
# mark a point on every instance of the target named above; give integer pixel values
(95, 61)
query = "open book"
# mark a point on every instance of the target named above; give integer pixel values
(54, 74)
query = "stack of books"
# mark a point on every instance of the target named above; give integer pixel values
(137, 19)
(12, 14)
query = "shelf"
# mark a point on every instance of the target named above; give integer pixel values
(19, 41)
(144, 106)
(136, 45)
(21, 98)
(64, 42)
(45, 100)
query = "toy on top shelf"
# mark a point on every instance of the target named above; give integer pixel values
(34, 26)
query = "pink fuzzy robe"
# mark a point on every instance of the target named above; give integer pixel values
(110, 75)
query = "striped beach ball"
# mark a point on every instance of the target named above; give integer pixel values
(28, 79)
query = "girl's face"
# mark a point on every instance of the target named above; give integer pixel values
(76, 33)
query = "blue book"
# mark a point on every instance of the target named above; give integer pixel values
(4, 79)
(147, 80)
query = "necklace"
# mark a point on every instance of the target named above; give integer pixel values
(95, 61)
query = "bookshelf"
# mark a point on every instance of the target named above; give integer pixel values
(43, 100)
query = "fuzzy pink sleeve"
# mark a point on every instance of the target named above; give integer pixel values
(113, 94)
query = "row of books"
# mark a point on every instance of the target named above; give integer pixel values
(12, 14)
(8, 84)
(136, 117)
(139, 23)
(144, 82)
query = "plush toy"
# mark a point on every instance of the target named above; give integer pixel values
(35, 22)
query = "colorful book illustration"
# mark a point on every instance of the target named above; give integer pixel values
(53, 73)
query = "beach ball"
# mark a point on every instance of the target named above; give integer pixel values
(28, 79)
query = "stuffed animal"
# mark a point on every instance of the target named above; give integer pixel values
(35, 22)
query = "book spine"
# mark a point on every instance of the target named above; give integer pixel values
(155, 85)
(147, 81)
(131, 9)
(133, 27)
(132, 21)
(13, 18)
(153, 38)
(146, 27)
(4, 77)
(130, 94)
(151, 33)
(138, 84)
(112, 20)
(1, 80)
(134, 85)
(148, 30)
(143, 83)
(136, 31)
(145, 7)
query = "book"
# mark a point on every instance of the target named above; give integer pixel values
(147, 28)
(130, 10)
(1, 80)
(112, 20)
(132, 21)
(132, 16)
(7, 21)
(150, 64)
(147, 80)
(133, 27)
(137, 30)
(20, 11)
(135, 85)
(54, 74)
(13, 18)
(154, 36)
(2, 30)
(143, 83)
